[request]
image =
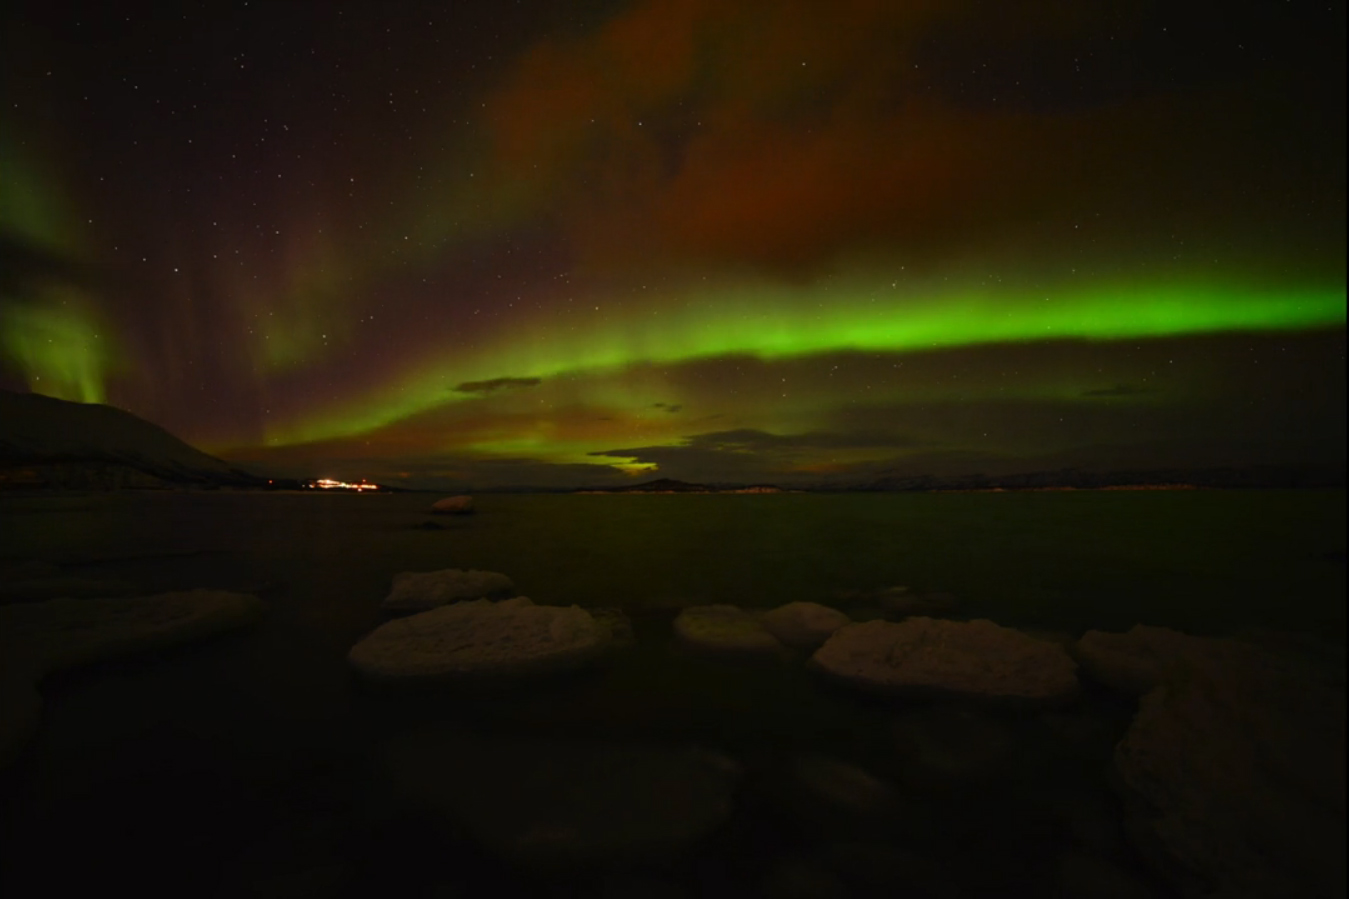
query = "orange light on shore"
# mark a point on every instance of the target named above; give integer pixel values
(330, 484)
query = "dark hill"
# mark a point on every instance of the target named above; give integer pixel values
(46, 442)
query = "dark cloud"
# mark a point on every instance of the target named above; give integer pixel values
(1120, 390)
(495, 384)
(668, 407)
(857, 123)
(755, 441)
(748, 454)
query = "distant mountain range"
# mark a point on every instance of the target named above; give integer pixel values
(51, 443)
(669, 485)
(46, 442)
(1265, 476)
(1258, 476)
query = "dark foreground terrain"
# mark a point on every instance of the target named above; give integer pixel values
(257, 764)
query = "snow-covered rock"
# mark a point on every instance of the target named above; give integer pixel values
(975, 659)
(1233, 769)
(1135, 662)
(481, 637)
(725, 629)
(428, 589)
(453, 505)
(565, 802)
(804, 625)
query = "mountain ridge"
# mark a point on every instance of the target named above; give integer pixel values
(49, 442)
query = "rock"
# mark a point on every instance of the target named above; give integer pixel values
(941, 748)
(481, 637)
(1138, 661)
(620, 626)
(562, 802)
(419, 590)
(62, 633)
(804, 625)
(927, 656)
(725, 629)
(1232, 772)
(841, 784)
(453, 505)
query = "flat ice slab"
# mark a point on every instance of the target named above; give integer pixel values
(453, 505)
(724, 629)
(560, 802)
(481, 637)
(974, 659)
(429, 589)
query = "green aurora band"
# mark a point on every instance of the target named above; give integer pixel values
(773, 322)
(59, 346)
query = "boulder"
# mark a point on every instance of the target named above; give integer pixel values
(1232, 772)
(943, 748)
(453, 505)
(1136, 662)
(725, 630)
(481, 638)
(841, 785)
(927, 656)
(570, 803)
(804, 625)
(419, 590)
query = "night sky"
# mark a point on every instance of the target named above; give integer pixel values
(493, 243)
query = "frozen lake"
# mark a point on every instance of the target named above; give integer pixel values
(256, 762)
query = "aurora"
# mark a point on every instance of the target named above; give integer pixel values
(572, 250)
(752, 322)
